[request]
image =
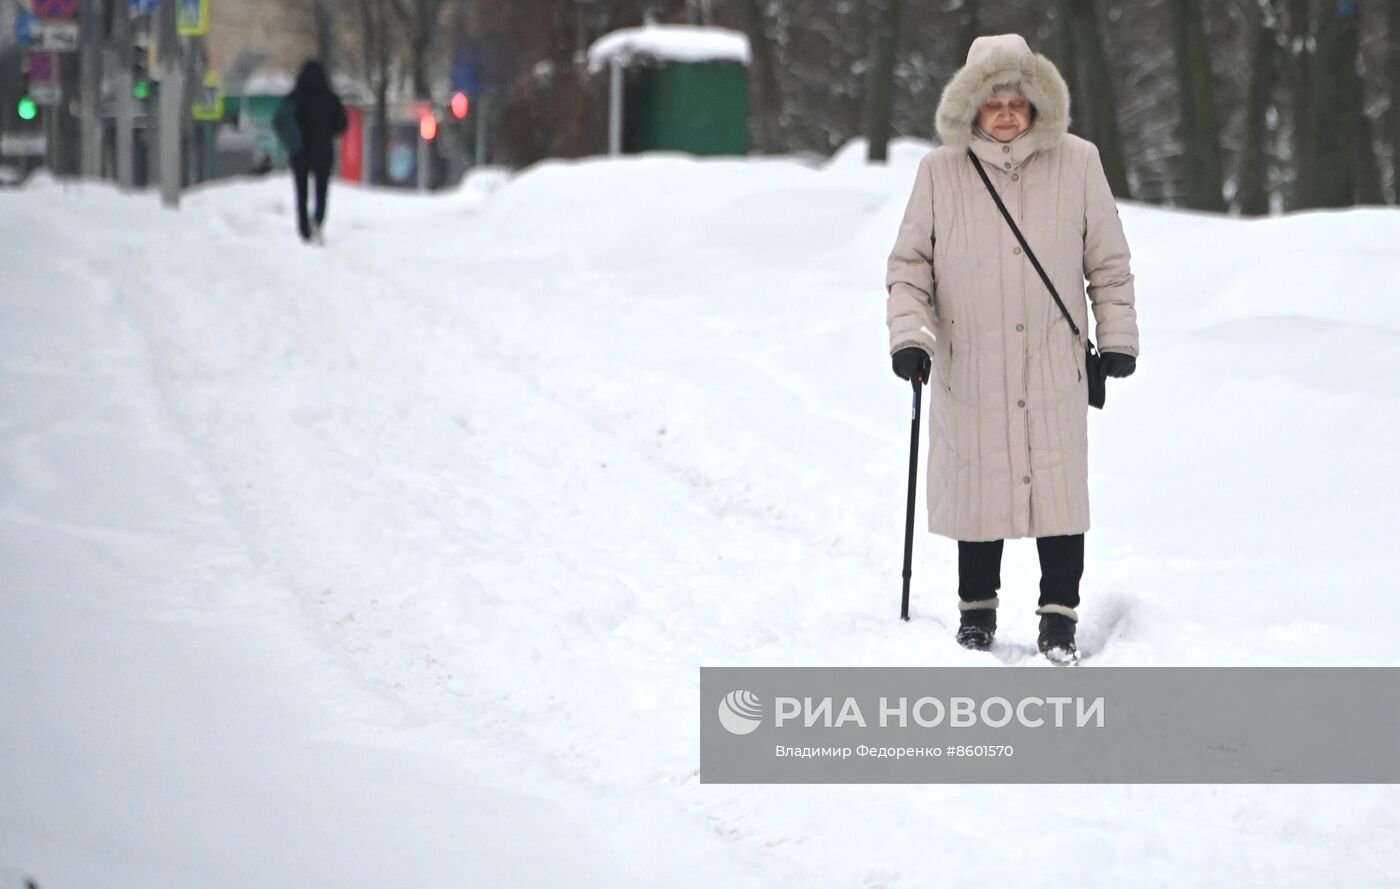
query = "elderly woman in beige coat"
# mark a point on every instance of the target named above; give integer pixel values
(969, 314)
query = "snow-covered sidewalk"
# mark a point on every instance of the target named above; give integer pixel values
(170, 714)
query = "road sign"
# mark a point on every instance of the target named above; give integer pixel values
(24, 27)
(194, 18)
(45, 92)
(23, 144)
(42, 66)
(54, 10)
(466, 70)
(57, 36)
(209, 104)
(144, 7)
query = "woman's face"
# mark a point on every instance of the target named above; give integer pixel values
(1005, 116)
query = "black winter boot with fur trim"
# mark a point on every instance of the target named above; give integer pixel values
(977, 627)
(1056, 640)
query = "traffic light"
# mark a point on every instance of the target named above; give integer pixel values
(27, 109)
(428, 127)
(140, 78)
(460, 105)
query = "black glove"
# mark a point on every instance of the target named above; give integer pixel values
(911, 363)
(1116, 364)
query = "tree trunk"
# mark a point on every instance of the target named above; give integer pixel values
(1094, 88)
(856, 110)
(1254, 153)
(1069, 67)
(881, 91)
(1337, 109)
(1300, 85)
(417, 50)
(1393, 60)
(375, 39)
(1199, 134)
(768, 113)
(1368, 172)
(325, 19)
(419, 21)
(968, 15)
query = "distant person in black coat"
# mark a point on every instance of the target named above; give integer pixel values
(308, 121)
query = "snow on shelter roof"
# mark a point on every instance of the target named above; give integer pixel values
(669, 43)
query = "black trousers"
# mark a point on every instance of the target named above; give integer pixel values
(319, 169)
(1061, 567)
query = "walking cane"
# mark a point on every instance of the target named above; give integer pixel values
(909, 505)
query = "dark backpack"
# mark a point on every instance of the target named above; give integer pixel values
(284, 124)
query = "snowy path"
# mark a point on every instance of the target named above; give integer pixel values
(524, 458)
(170, 714)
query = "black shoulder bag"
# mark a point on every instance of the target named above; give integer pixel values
(1093, 366)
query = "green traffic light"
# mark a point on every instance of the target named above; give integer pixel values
(141, 89)
(27, 109)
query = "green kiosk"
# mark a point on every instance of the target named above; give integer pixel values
(675, 88)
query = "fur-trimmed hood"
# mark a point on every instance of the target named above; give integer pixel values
(991, 62)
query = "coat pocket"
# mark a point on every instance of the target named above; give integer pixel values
(943, 363)
(958, 378)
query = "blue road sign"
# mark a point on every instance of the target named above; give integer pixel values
(144, 7)
(466, 73)
(24, 28)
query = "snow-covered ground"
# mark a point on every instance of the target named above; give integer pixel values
(394, 562)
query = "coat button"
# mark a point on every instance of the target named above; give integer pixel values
(1007, 165)
(1015, 177)
(1006, 149)
(1026, 480)
(1016, 250)
(1020, 327)
(1020, 404)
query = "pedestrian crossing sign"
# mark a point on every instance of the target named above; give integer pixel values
(209, 102)
(194, 18)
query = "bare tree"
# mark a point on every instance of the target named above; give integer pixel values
(880, 94)
(1337, 108)
(1092, 83)
(378, 45)
(768, 95)
(967, 18)
(324, 20)
(1392, 58)
(1301, 44)
(419, 20)
(1264, 23)
(1368, 174)
(1200, 132)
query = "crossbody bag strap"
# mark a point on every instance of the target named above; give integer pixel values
(1030, 254)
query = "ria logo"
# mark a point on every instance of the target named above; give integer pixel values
(740, 712)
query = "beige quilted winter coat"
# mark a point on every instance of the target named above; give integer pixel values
(1008, 405)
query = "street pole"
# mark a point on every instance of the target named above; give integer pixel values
(482, 120)
(126, 110)
(53, 129)
(425, 174)
(172, 104)
(614, 107)
(195, 61)
(90, 95)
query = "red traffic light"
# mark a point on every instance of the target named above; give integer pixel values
(427, 127)
(460, 105)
